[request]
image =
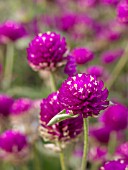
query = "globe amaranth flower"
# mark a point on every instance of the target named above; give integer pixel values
(70, 67)
(5, 104)
(82, 55)
(115, 164)
(115, 117)
(24, 114)
(13, 146)
(122, 11)
(122, 151)
(46, 51)
(111, 55)
(83, 94)
(98, 71)
(63, 131)
(101, 134)
(12, 30)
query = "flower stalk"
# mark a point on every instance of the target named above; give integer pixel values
(85, 150)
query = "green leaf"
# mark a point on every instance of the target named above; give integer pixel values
(60, 117)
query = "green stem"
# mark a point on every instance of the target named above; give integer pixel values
(112, 143)
(52, 81)
(85, 150)
(115, 73)
(62, 161)
(8, 66)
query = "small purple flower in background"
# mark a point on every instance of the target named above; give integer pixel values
(13, 146)
(122, 151)
(12, 30)
(115, 117)
(66, 21)
(46, 51)
(96, 70)
(83, 94)
(122, 11)
(24, 116)
(64, 131)
(5, 105)
(111, 55)
(70, 67)
(82, 55)
(115, 164)
(100, 133)
(97, 153)
(110, 2)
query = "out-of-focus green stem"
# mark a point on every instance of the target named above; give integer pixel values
(8, 66)
(117, 69)
(85, 150)
(52, 81)
(62, 161)
(112, 143)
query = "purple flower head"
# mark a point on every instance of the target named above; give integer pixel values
(12, 141)
(13, 146)
(101, 134)
(96, 70)
(12, 30)
(97, 153)
(122, 11)
(110, 2)
(116, 164)
(115, 117)
(21, 106)
(63, 131)
(122, 151)
(66, 22)
(46, 51)
(111, 55)
(83, 94)
(70, 67)
(82, 55)
(5, 104)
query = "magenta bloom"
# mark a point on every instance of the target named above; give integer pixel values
(116, 164)
(115, 117)
(83, 94)
(111, 56)
(110, 2)
(21, 106)
(12, 30)
(5, 104)
(46, 51)
(96, 70)
(70, 67)
(101, 134)
(13, 146)
(82, 55)
(122, 151)
(97, 153)
(11, 139)
(63, 131)
(122, 11)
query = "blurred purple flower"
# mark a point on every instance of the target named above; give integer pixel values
(82, 55)
(122, 151)
(115, 164)
(115, 117)
(101, 133)
(46, 51)
(12, 30)
(111, 55)
(83, 94)
(70, 67)
(5, 104)
(122, 11)
(14, 146)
